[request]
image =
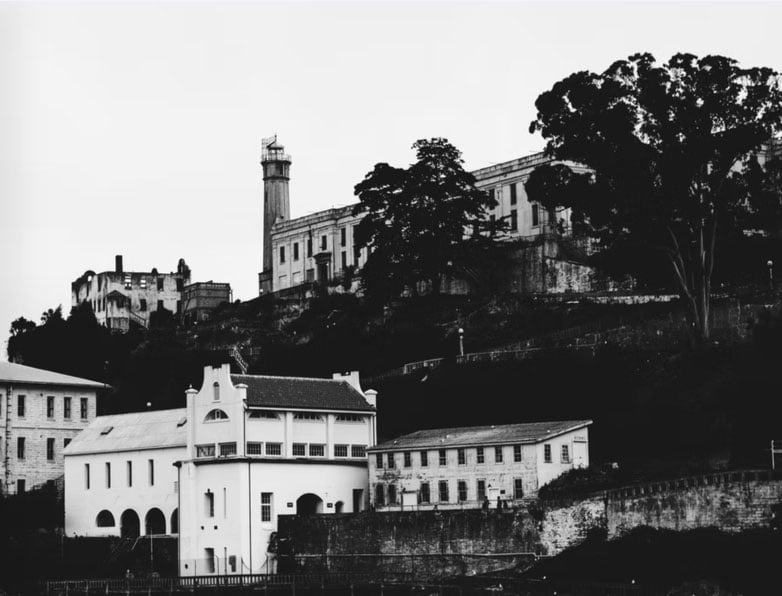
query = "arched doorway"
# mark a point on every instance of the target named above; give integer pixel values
(175, 522)
(105, 519)
(338, 506)
(309, 504)
(130, 526)
(155, 522)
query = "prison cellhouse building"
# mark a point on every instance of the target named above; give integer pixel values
(219, 472)
(452, 468)
(41, 412)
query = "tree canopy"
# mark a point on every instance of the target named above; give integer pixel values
(419, 221)
(673, 150)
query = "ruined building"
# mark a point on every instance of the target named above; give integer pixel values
(122, 298)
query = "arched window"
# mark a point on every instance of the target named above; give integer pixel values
(215, 415)
(105, 519)
(216, 389)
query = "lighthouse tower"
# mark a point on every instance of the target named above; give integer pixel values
(276, 202)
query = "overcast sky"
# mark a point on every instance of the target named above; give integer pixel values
(135, 128)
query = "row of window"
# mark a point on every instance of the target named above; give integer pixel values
(128, 474)
(389, 495)
(67, 407)
(275, 449)
(305, 416)
(21, 447)
(390, 460)
(209, 505)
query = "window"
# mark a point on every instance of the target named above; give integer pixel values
(424, 459)
(50, 449)
(378, 460)
(209, 503)
(50, 406)
(299, 449)
(479, 457)
(317, 450)
(344, 260)
(20, 486)
(498, 455)
(216, 391)
(205, 450)
(159, 284)
(160, 305)
(517, 453)
(535, 215)
(227, 449)
(151, 471)
(547, 453)
(565, 454)
(309, 247)
(20, 406)
(481, 486)
(262, 414)
(443, 488)
(460, 457)
(266, 507)
(349, 418)
(87, 476)
(323, 242)
(179, 284)
(343, 236)
(309, 275)
(425, 497)
(379, 496)
(407, 459)
(19, 447)
(340, 450)
(108, 474)
(443, 460)
(391, 461)
(209, 559)
(295, 251)
(128, 281)
(65, 443)
(307, 416)
(461, 487)
(512, 194)
(83, 408)
(105, 519)
(254, 448)
(358, 451)
(391, 494)
(129, 472)
(282, 254)
(273, 448)
(215, 415)
(356, 255)
(142, 304)
(66, 407)
(514, 220)
(143, 282)
(518, 491)
(491, 195)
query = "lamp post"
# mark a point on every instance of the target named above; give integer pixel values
(770, 265)
(461, 341)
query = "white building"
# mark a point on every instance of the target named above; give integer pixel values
(245, 450)
(41, 412)
(452, 468)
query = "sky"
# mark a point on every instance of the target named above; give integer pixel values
(135, 128)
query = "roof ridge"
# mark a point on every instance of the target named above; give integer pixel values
(288, 378)
(574, 420)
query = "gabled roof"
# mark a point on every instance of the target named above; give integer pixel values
(128, 432)
(19, 373)
(501, 434)
(303, 393)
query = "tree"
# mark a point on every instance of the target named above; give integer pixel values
(671, 152)
(419, 221)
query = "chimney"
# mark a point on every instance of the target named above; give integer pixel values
(371, 396)
(118, 264)
(351, 377)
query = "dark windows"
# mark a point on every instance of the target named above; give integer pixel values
(547, 453)
(461, 487)
(129, 472)
(407, 459)
(87, 476)
(227, 449)
(565, 454)
(498, 455)
(209, 503)
(317, 450)
(378, 460)
(160, 305)
(216, 392)
(442, 457)
(83, 408)
(266, 507)
(50, 406)
(299, 449)
(295, 251)
(424, 459)
(108, 474)
(391, 494)
(151, 471)
(518, 491)
(20, 486)
(159, 284)
(50, 449)
(20, 406)
(65, 443)
(443, 489)
(142, 304)
(358, 451)
(535, 215)
(391, 461)
(273, 448)
(282, 254)
(179, 284)
(323, 242)
(479, 456)
(19, 447)
(205, 450)
(512, 194)
(344, 259)
(517, 453)
(425, 498)
(481, 486)
(461, 457)
(379, 496)
(343, 236)
(514, 220)
(340, 450)
(309, 247)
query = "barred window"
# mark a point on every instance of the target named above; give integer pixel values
(407, 459)
(299, 449)
(273, 448)
(358, 451)
(227, 449)
(479, 456)
(498, 455)
(205, 450)
(517, 453)
(317, 450)
(340, 450)
(254, 448)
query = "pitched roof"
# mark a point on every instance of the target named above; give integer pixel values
(298, 392)
(19, 373)
(128, 432)
(528, 432)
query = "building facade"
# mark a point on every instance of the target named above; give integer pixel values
(41, 413)
(122, 298)
(245, 450)
(200, 299)
(471, 467)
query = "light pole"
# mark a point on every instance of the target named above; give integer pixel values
(461, 341)
(770, 266)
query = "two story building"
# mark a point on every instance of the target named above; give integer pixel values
(41, 412)
(452, 468)
(218, 472)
